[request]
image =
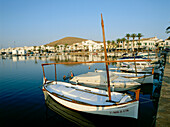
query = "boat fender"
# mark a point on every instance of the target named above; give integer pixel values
(153, 71)
(72, 75)
(64, 77)
(89, 67)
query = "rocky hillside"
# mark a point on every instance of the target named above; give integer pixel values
(67, 40)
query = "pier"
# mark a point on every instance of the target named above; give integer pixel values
(163, 114)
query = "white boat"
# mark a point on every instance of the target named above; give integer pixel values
(151, 56)
(140, 78)
(91, 100)
(132, 70)
(98, 79)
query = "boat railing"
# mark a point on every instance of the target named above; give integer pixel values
(67, 63)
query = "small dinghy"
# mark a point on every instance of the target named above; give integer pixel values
(91, 100)
(98, 79)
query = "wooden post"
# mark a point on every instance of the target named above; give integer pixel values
(44, 74)
(55, 72)
(137, 92)
(105, 52)
(135, 64)
(134, 58)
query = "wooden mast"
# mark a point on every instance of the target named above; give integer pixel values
(105, 52)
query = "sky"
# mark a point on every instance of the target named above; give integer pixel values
(38, 22)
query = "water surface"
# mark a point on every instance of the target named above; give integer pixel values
(22, 100)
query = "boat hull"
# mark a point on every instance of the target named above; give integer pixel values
(140, 78)
(145, 80)
(129, 109)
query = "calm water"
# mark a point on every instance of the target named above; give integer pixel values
(22, 100)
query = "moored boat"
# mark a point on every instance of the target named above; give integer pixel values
(91, 100)
(141, 78)
(98, 79)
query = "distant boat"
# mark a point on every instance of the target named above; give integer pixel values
(142, 64)
(98, 79)
(151, 56)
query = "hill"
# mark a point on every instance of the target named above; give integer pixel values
(68, 40)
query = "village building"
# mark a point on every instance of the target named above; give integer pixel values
(84, 45)
(144, 43)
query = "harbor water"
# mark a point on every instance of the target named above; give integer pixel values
(22, 100)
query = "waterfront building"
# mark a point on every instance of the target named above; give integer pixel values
(22, 52)
(92, 45)
(145, 43)
(14, 52)
(89, 46)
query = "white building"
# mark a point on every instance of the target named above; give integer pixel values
(145, 43)
(22, 52)
(14, 52)
(92, 45)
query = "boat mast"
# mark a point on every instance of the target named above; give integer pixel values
(105, 52)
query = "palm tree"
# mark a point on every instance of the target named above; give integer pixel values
(113, 43)
(65, 46)
(139, 36)
(76, 46)
(127, 42)
(55, 46)
(168, 30)
(39, 49)
(123, 40)
(92, 47)
(45, 48)
(35, 48)
(118, 41)
(58, 48)
(127, 36)
(108, 44)
(84, 47)
(133, 37)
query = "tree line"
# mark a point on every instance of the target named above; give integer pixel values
(125, 39)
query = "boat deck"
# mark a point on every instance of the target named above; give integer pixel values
(84, 94)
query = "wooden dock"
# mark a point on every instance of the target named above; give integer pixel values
(163, 114)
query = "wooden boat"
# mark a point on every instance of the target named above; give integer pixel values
(91, 100)
(151, 56)
(98, 79)
(139, 65)
(132, 70)
(141, 78)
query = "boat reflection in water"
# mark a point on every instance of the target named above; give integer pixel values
(86, 119)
